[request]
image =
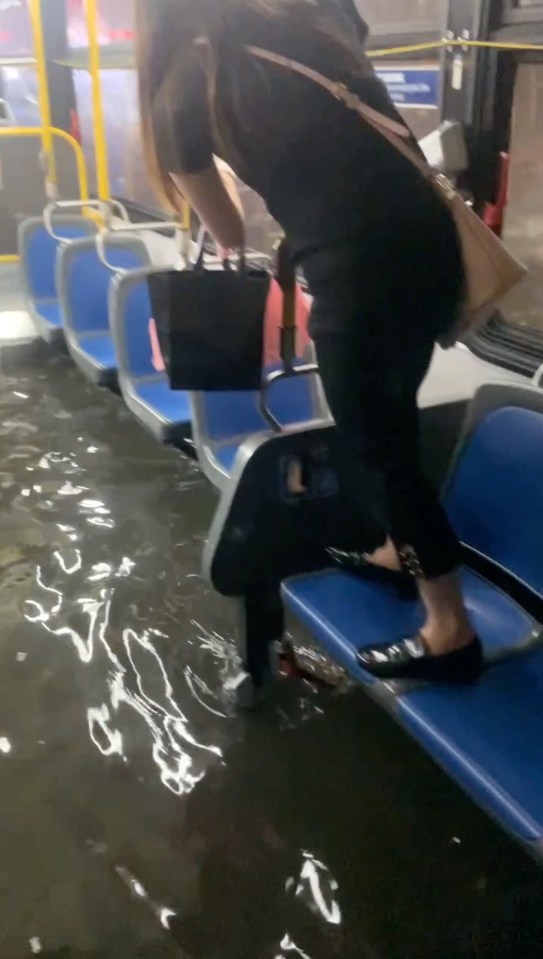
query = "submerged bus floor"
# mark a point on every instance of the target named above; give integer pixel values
(140, 815)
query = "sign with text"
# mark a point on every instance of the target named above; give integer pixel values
(412, 86)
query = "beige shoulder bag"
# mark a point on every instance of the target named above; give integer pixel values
(490, 271)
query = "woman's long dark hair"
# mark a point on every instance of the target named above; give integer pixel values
(166, 48)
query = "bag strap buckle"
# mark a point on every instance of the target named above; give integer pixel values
(444, 185)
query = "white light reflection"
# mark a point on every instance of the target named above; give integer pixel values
(316, 885)
(39, 616)
(49, 589)
(70, 490)
(167, 723)
(172, 744)
(98, 521)
(69, 531)
(111, 741)
(192, 681)
(100, 571)
(125, 568)
(83, 646)
(96, 505)
(289, 946)
(5, 745)
(69, 568)
(163, 913)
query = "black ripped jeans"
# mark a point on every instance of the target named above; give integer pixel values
(374, 342)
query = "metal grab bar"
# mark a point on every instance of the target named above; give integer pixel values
(308, 369)
(27, 132)
(105, 210)
(119, 229)
(536, 379)
(7, 116)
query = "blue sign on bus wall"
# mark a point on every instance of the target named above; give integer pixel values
(411, 86)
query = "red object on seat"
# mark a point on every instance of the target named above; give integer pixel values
(156, 354)
(493, 212)
(75, 130)
(273, 320)
(272, 328)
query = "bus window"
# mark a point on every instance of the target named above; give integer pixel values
(523, 222)
(402, 14)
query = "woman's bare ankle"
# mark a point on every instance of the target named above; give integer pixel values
(446, 636)
(385, 556)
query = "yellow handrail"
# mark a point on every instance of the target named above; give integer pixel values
(454, 42)
(100, 142)
(53, 132)
(34, 12)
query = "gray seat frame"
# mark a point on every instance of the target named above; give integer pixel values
(64, 262)
(52, 335)
(159, 426)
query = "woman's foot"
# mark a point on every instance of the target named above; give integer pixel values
(412, 658)
(356, 562)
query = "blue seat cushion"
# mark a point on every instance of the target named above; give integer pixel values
(489, 737)
(100, 349)
(225, 455)
(171, 405)
(344, 612)
(234, 413)
(50, 311)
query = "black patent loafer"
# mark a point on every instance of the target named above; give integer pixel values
(409, 659)
(355, 562)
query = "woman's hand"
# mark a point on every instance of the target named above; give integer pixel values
(214, 196)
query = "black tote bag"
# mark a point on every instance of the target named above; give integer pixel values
(210, 325)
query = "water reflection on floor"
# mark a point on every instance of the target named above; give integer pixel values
(140, 816)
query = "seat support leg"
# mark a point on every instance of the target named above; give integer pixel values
(262, 624)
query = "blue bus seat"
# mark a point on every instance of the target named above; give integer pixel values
(487, 736)
(223, 421)
(344, 612)
(83, 283)
(494, 496)
(146, 392)
(38, 254)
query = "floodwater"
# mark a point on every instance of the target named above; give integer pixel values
(140, 816)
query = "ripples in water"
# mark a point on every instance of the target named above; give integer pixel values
(141, 816)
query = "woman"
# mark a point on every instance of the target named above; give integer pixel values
(376, 243)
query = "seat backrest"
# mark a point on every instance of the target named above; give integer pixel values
(83, 281)
(230, 414)
(38, 251)
(130, 312)
(494, 495)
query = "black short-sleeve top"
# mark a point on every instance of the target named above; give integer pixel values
(325, 176)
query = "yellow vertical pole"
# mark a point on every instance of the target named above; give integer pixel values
(100, 142)
(185, 229)
(34, 10)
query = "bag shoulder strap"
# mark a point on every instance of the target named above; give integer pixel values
(391, 130)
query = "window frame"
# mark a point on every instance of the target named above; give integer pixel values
(514, 14)
(516, 348)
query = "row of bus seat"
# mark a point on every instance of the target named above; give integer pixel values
(487, 737)
(103, 317)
